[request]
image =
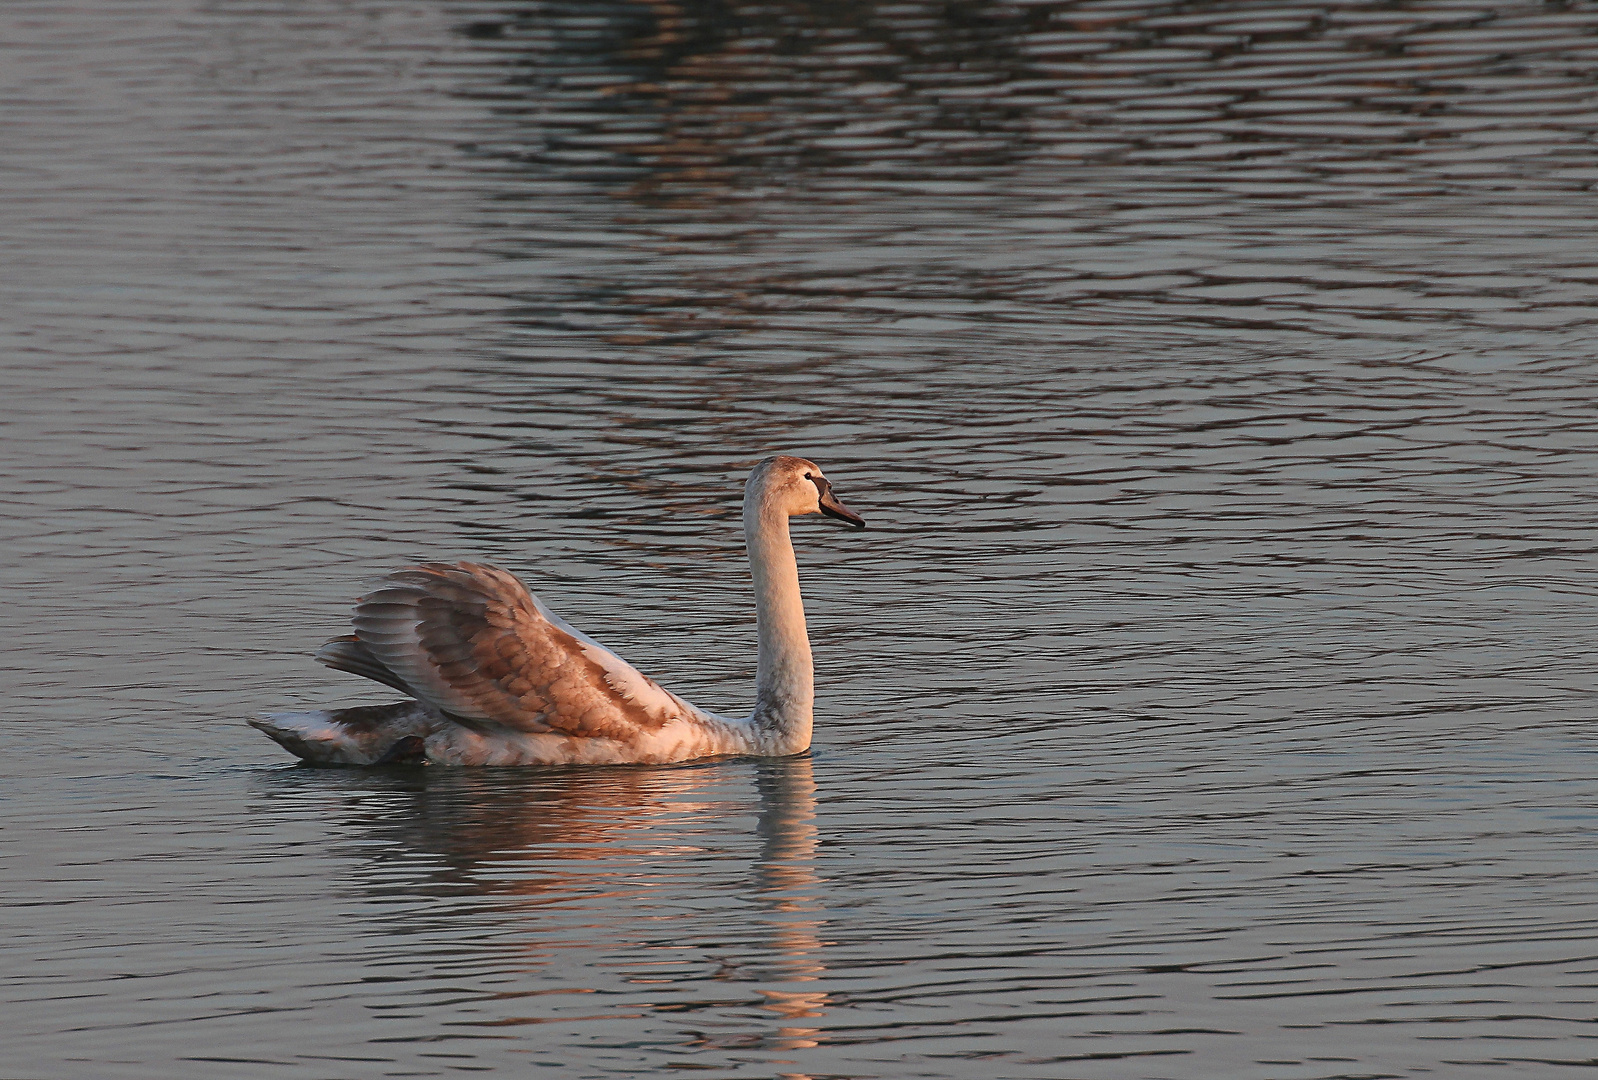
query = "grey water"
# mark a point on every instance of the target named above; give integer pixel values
(1214, 694)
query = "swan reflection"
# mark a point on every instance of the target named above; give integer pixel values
(788, 887)
(645, 886)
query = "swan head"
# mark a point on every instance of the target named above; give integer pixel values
(796, 486)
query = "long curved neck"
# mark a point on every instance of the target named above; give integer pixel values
(785, 678)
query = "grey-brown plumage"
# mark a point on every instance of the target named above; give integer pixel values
(500, 680)
(471, 641)
(365, 735)
(350, 654)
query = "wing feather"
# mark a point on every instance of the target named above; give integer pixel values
(471, 641)
(348, 654)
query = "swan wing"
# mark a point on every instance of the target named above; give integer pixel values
(471, 641)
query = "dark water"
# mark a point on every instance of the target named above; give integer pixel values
(1213, 697)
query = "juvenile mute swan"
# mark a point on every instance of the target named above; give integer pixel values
(500, 680)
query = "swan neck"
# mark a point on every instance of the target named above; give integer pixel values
(784, 677)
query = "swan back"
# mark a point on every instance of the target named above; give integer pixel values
(473, 643)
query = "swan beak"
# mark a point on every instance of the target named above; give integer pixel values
(835, 509)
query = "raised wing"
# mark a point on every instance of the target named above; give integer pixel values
(472, 642)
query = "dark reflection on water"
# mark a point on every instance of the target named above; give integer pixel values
(680, 103)
(709, 94)
(1212, 695)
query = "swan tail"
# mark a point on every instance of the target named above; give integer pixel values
(367, 735)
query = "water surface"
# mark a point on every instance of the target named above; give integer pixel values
(1212, 695)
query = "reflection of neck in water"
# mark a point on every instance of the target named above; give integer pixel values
(788, 884)
(787, 832)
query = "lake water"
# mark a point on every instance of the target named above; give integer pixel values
(1213, 696)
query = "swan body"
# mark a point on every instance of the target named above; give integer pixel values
(496, 678)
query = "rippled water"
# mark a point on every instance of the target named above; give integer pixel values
(1213, 695)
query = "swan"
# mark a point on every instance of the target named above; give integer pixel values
(498, 679)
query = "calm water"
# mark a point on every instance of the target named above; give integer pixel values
(1215, 695)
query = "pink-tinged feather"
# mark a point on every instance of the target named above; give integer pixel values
(501, 680)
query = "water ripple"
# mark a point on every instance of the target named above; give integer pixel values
(1211, 695)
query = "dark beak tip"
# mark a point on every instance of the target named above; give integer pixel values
(841, 513)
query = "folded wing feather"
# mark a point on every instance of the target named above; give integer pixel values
(471, 641)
